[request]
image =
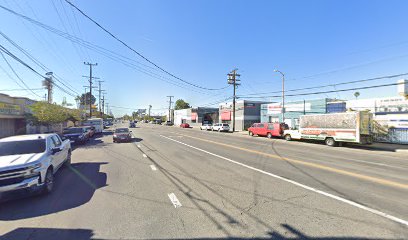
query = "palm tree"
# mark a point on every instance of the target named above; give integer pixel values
(356, 94)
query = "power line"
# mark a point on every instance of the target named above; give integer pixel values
(332, 91)
(105, 52)
(15, 73)
(334, 84)
(139, 54)
(36, 61)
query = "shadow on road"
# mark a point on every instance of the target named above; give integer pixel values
(74, 186)
(88, 234)
(135, 139)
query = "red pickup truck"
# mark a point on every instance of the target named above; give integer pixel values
(268, 129)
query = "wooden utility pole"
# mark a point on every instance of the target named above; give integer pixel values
(48, 84)
(90, 85)
(232, 79)
(170, 102)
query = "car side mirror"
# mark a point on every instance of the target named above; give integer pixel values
(55, 150)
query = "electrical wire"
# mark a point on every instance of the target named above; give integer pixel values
(332, 91)
(15, 73)
(138, 53)
(334, 84)
(37, 62)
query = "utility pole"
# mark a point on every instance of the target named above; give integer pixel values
(150, 107)
(99, 96)
(90, 85)
(283, 94)
(232, 79)
(103, 105)
(170, 102)
(48, 84)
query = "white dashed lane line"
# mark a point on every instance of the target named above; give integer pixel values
(174, 200)
(153, 167)
(144, 155)
(139, 146)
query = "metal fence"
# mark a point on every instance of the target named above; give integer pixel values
(394, 135)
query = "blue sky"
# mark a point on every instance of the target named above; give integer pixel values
(313, 42)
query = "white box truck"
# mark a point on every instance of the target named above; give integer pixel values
(94, 122)
(334, 128)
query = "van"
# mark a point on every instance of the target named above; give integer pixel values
(267, 129)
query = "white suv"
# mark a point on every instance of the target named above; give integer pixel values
(221, 127)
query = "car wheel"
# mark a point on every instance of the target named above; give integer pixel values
(251, 133)
(219, 129)
(330, 142)
(269, 135)
(49, 181)
(288, 137)
(67, 162)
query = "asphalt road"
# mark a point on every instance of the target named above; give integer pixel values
(172, 183)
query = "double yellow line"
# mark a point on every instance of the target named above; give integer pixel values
(309, 164)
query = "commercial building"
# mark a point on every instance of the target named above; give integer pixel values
(196, 116)
(390, 116)
(272, 112)
(246, 113)
(12, 114)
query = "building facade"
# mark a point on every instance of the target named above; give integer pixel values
(196, 116)
(390, 116)
(12, 115)
(272, 112)
(246, 113)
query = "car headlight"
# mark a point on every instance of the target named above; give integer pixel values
(114, 135)
(35, 168)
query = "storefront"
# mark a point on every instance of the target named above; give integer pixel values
(196, 116)
(246, 114)
(272, 112)
(12, 119)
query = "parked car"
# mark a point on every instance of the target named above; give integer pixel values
(268, 130)
(132, 125)
(221, 127)
(205, 127)
(76, 135)
(185, 125)
(28, 162)
(122, 135)
(169, 123)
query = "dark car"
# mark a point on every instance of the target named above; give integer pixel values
(184, 125)
(132, 125)
(169, 123)
(122, 135)
(76, 135)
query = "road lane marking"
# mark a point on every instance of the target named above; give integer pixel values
(139, 146)
(344, 200)
(153, 167)
(144, 155)
(174, 200)
(313, 165)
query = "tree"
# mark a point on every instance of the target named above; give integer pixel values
(46, 114)
(86, 97)
(356, 94)
(181, 104)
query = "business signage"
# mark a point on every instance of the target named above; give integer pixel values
(9, 109)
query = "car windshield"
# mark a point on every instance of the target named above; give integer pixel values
(73, 130)
(22, 147)
(122, 130)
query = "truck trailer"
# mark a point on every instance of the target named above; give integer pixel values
(334, 128)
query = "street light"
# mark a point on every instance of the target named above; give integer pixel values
(283, 94)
